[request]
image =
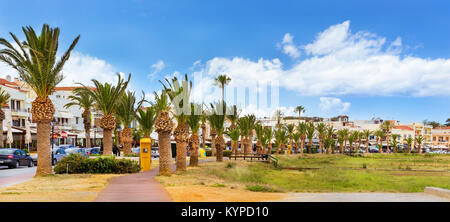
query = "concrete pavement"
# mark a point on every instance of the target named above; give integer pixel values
(10, 177)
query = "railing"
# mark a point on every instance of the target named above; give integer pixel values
(251, 156)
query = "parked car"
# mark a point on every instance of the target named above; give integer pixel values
(66, 146)
(136, 150)
(155, 152)
(94, 150)
(14, 158)
(58, 154)
(80, 151)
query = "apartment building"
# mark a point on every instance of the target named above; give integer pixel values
(441, 137)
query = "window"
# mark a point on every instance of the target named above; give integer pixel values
(58, 96)
(76, 119)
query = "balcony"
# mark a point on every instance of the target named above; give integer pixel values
(20, 112)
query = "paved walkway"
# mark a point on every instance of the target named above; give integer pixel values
(363, 197)
(139, 187)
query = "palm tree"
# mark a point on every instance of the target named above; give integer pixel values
(163, 126)
(296, 138)
(105, 98)
(126, 113)
(222, 81)
(216, 117)
(380, 134)
(419, 141)
(366, 134)
(203, 126)
(4, 99)
(259, 130)
(352, 138)
(84, 101)
(279, 116)
(37, 66)
(281, 138)
(234, 134)
(342, 136)
(179, 93)
(301, 128)
(329, 134)
(268, 134)
(146, 119)
(233, 116)
(251, 127)
(387, 127)
(394, 141)
(243, 124)
(310, 132)
(290, 128)
(321, 131)
(300, 110)
(409, 141)
(194, 141)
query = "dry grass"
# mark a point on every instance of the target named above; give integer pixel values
(57, 188)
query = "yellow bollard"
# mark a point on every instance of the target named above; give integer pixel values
(145, 156)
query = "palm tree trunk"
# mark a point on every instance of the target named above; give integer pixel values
(367, 145)
(302, 146)
(269, 148)
(213, 145)
(1, 133)
(193, 159)
(409, 148)
(88, 136)
(44, 166)
(220, 147)
(107, 142)
(381, 146)
(309, 146)
(165, 154)
(181, 156)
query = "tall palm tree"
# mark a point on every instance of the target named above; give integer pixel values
(106, 100)
(222, 81)
(409, 141)
(310, 132)
(380, 134)
(268, 134)
(419, 140)
(4, 99)
(387, 127)
(194, 141)
(366, 134)
(321, 131)
(290, 128)
(301, 128)
(216, 117)
(37, 65)
(179, 93)
(164, 127)
(203, 126)
(126, 113)
(300, 110)
(84, 101)
(234, 134)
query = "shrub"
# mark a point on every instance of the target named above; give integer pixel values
(260, 188)
(208, 152)
(230, 165)
(131, 155)
(77, 164)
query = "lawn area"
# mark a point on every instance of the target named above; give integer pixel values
(337, 173)
(57, 188)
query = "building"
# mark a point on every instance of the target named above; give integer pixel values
(441, 137)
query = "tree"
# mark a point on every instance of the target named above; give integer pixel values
(394, 142)
(342, 137)
(216, 116)
(251, 127)
(366, 135)
(179, 93)
(387, 127)
(84, 101)
(434, 124)
(35, 61)
(222, 81)
(4, 99)
(419, 141)
(310, 132)
(259, 130)
(105, 96)
(447, 123)
(146, 119)
(281, 138)
(380, 134)
(300, 110)
(268, 134)
(409, 141)
(290, 128)
(126, 113)
(321, 130)
(279, 116)
(352, 138)
(329, 134)
(233, 116)
(194, 141)
(243, 124)
(163, 126)
(301, 128)
(234, 134)
(296, 138)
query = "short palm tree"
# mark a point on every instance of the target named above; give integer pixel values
(179, 93)
(387, 128)
(281, 139)
(251, 127)
(216, 117)
(243, 124)
(342, 136)
(380, 134)
(84, 101)
(105, 96)
(234, 134)
(366, 135)
(300, 110)
(222, 81)
(301, 129)
(296, 138)
(146, 119)
(233, 116)
(419, 140)
(268, 134)
(35, 61)
(290, 129)
(310, 133)
(321, 131)
(126, 112)
(409, 141)
(164, 127)
(194, 141)
(394, 141)
(279, 115)
(352, 137)
(259, 130)
(329, 134)
(4, 99)
(203, 126)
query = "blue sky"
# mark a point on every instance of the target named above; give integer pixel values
(397, 52)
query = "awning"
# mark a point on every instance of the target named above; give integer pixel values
(63, 114)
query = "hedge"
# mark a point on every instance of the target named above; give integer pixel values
(77, 164)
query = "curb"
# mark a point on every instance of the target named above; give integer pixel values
(437, 192)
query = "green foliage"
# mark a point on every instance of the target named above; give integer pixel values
(146, 119)
(77, 164)
(260, 188)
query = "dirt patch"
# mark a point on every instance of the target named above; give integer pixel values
(199, 193)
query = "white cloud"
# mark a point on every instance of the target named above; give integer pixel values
(289, 47)
(156, 68)
(341, 63)
(332, 105)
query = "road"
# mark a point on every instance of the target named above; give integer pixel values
(10, 177)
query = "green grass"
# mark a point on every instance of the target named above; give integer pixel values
(339, 173)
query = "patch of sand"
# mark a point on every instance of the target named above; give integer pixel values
(57, 188)
(200, 193)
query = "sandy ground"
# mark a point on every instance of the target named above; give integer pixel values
(57, 188)
(199, 193)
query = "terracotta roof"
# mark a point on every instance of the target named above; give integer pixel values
(403, 128)
(69, 88)
(6, 82)
(443, 127)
